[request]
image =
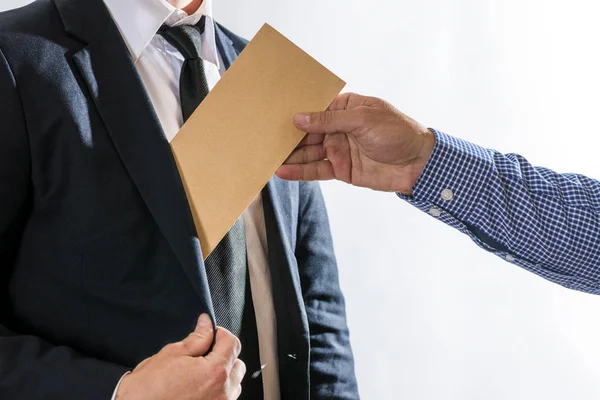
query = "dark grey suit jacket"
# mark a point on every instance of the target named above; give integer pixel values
(100, 264)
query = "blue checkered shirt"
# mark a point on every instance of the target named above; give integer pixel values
(543, 221)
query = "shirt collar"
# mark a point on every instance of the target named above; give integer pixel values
(139, 20)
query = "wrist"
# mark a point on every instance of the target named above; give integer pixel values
(427, 139)
(424, 143)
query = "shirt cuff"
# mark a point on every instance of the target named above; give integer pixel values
(114, 396)
(453, 179)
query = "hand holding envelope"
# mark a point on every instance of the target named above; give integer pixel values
(243, 131)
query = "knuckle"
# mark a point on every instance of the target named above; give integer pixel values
(242, 367)
(194, 338)
(328, 148)
(187, 345)
(220, 374)
(324, 117)
(173, 347)
(351, 98)
(236, 345)
(362, 115)
(232, 342)
(304, 173)
(373, 101)
(305, 155)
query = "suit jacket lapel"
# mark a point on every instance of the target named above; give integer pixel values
(225, 46)
(106, 67)
(118, 92)
(278, 204)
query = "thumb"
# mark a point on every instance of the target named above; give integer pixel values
(339, 121)
(199, 342)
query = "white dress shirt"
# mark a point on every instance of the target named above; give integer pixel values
(159, 65)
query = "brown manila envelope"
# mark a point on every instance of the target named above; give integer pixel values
(243, 131)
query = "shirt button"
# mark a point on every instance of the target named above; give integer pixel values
(447, 195)
(435, 212)
(510, 258)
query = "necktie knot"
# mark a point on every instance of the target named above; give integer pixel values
(185, 38)
(193, 86)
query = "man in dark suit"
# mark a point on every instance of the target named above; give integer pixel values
(101, 272)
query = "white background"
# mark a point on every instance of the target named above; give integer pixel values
(431, 315)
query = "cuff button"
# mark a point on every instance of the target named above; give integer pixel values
(447, 195)
(435, 212)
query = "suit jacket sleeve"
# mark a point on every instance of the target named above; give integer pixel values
(30, 367)
(331, 361)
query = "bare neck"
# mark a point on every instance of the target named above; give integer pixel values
(189, 6)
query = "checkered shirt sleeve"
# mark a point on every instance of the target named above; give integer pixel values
(545, 222)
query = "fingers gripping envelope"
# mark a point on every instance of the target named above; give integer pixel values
(243, 130)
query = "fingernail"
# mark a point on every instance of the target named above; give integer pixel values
(203, 321)
(302, 119)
